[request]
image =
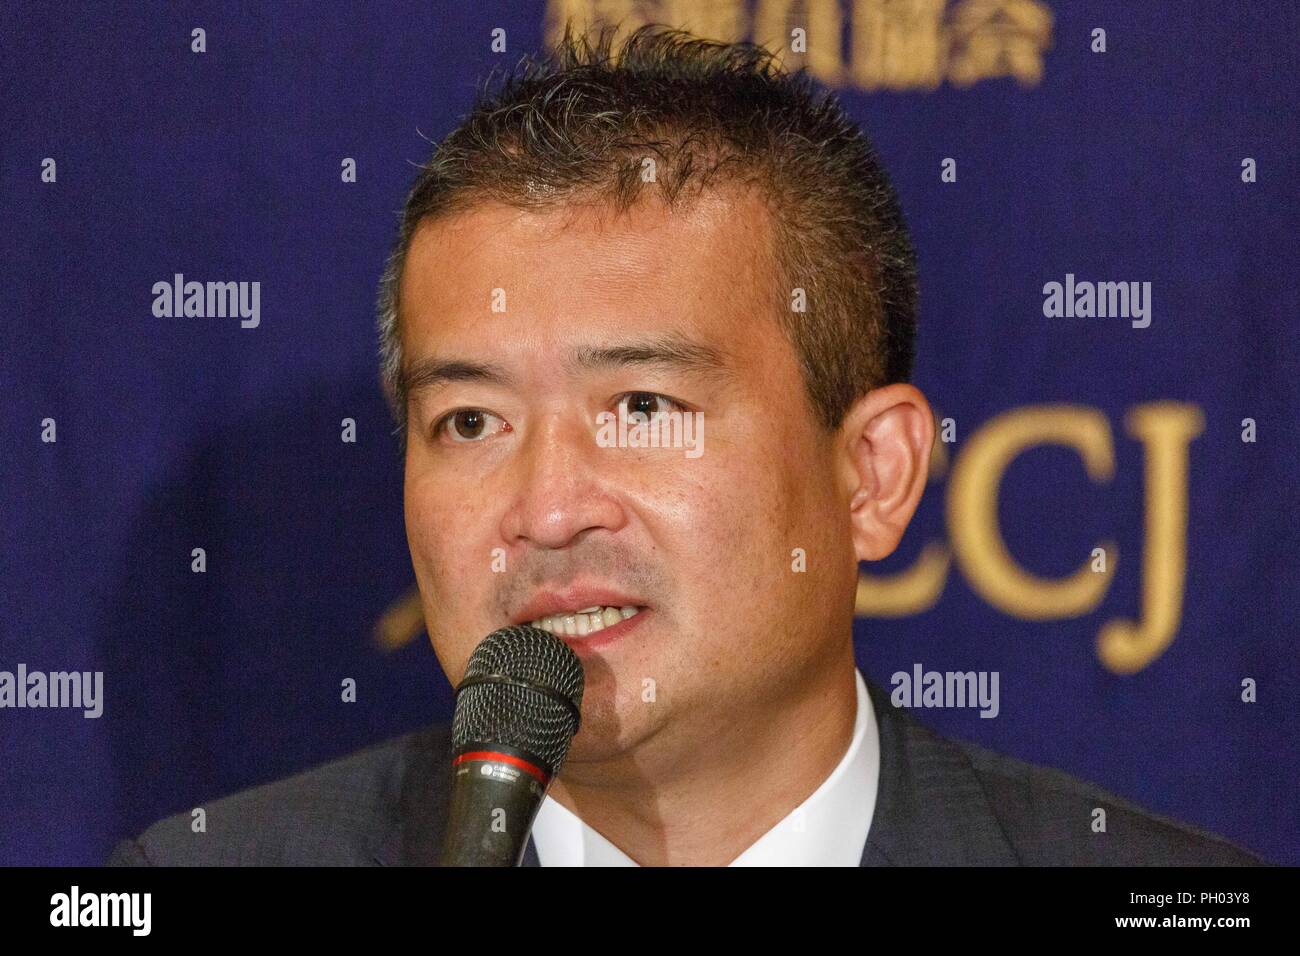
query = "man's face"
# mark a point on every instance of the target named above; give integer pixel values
(513, 507)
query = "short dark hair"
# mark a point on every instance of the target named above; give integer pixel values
(576, 127)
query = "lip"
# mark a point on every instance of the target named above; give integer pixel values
(567, 600)
(583, 646)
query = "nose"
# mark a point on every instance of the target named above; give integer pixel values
(558, 487)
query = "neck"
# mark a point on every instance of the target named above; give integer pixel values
(683, 804)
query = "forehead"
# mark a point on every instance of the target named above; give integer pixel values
(704, 270)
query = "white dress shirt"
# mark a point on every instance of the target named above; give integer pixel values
(828, 829)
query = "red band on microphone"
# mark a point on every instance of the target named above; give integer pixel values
(514, 761)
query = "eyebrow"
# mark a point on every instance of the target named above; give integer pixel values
(431, 373)
(670, 351)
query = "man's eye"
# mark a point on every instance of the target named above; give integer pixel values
(647, 404)
(467, 425)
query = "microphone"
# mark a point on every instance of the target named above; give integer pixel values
(517, 710)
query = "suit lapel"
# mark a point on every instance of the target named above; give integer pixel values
(414, 835)
(931, 809)
(530, 854)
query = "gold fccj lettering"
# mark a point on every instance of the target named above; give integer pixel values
(892, 44)
(1166, 430)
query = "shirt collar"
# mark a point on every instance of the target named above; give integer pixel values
(830, 828)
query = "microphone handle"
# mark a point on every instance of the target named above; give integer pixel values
(496, 791)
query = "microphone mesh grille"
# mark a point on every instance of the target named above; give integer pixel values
(519, 716)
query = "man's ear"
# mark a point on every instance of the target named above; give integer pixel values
(884, 449)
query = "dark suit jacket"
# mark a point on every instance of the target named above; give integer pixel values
(941, 802)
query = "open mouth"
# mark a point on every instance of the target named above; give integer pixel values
(587, 621)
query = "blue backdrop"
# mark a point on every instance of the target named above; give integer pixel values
(172, 434)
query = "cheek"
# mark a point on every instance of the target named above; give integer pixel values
(448, 569)
(726, 515)
(772, 500)
(424, 522)
(441, 538)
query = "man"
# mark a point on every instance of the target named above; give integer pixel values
(678, 230)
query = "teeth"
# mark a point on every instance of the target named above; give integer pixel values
(587, 621)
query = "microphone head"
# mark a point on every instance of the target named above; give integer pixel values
(523, 689)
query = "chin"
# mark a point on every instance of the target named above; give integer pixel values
(607, 734)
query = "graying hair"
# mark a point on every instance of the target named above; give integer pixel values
(574, 128)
